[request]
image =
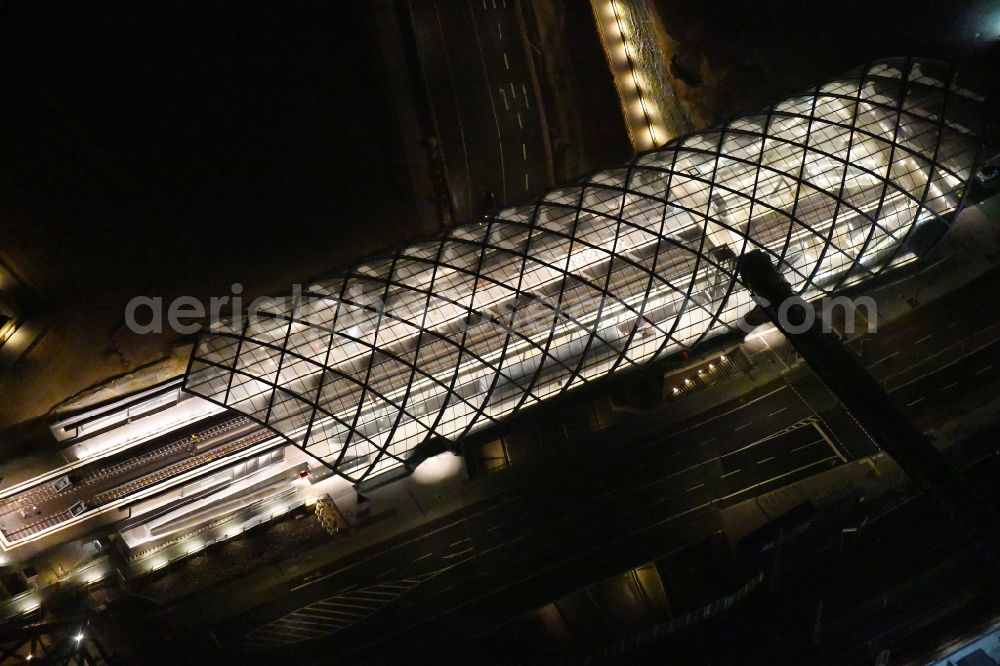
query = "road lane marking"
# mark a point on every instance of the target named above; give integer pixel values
(658, 481)
(986, 369)
(693, 488)
(949, 364)
(503, 94)
(805, 446)
(777, 412)
(884, 359)
(519, 123)
(525, 181)
(499, 30)
(804, 423)
(524, 151)
(735, 471)
(723, 414)
(299, 625)
(321, 578)
(525, 91)
(459, 553)
(496, 527)
(743, 426)
(924, 339)
(945, 388)
(428, 554)
(645, 528)
(505, 61)
(915, 402)
(775, 478)
(829, 443)
(460, 541)
(770, 393)
(761, 462)
(512, 91)
(301, 616)
(707, 441)
(385, 573)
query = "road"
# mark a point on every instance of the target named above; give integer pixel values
(524, 547)
(627, 497)
(953, 340)
(623, 499)
(478, 77)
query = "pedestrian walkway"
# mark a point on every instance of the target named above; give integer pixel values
(332, 614)
(633, 48)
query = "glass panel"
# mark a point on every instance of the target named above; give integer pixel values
(453, 333)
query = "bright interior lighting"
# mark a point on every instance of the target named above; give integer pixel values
(437, 469)
(662, 233)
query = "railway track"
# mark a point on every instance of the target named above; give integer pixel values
(199, 447)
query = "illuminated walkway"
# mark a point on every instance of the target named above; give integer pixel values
(631, 42)
(452, 333)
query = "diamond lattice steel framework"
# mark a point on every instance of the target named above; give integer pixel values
(447, 335)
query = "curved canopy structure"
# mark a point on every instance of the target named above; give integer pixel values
(447, 335)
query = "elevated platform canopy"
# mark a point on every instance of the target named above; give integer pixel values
(449, 334)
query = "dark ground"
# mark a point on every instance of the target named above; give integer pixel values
(167, 149)
(584, 113)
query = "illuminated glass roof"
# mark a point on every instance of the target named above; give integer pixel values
(449, 334)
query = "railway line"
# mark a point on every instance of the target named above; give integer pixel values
(101, 482)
